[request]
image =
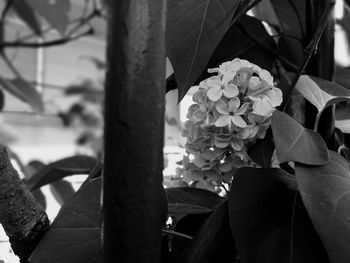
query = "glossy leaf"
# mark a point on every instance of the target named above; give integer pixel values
(193, 31)
(320, 92)
(295, 143)
(325, 191)
(54, 12)
(268, 220)
(26, 13)
(75, 234)
(24, 91)
(80, 164)
(62, 190)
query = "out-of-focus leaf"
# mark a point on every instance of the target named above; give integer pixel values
(55, 12)
(75, 234)
(320, 92)
(25, 12)
(62, 190)
(80, 164)
(194, 29)
(261, 152)
(250, 31)
(325, 191)
(268, 220)
(342, 77)
(24, 91)
(295, 143)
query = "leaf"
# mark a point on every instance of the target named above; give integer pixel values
(261, 152)
(342, 76)
(268, 220)
(292, 18)
(320, 92)
(246, 48)
(25, 92)
(25, 12)
(62, 190)
(55, 12)
(74, 236)
(193, 31)
(80, 164)
(208, 237)
(175, 209)
(295, 143)
(325, 191)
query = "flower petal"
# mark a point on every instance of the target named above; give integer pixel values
(238, 121)
(263, 107)
(237, 145)
(223, 121)
(266, 77)
(234, 104)
(230, 90)
(221, 107)
(242, 109)
(214, 93)
(199, 115)
(254, 83)
(276, 96)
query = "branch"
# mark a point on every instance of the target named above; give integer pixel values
(51, 43)
(310, 50)
(23, 219)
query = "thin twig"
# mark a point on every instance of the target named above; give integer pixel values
(51, 43)
(173, 233)
(310, 50)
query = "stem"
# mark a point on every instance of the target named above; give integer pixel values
(177, 234)
(23, 219)
(310, 49)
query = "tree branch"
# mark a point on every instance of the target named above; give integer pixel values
(51, 43)
(310, 49)
(23, 219)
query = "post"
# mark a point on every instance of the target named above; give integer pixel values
(134, 127)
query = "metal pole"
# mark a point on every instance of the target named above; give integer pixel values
(134, 127)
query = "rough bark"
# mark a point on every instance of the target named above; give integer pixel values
(133, 200)
(23, 219)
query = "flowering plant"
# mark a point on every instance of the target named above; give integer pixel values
(232, 110)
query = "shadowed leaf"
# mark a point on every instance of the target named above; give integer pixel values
(194, 29)
(325, 191)
(268, 220)
(25, 12)
(74, 236)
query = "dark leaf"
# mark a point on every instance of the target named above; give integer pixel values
(295, 143)
(75, 234)
(193, 31)
(342, 76)
(80, 164)
(292, 21)
(268, 220)
(193, 196)
(25, 12)
(55, 12)
(24, 91)
(251, 34)
(261, 152)
(178, 208)
(325, 191)
(209, 236)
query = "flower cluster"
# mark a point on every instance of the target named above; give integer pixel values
(232, 109)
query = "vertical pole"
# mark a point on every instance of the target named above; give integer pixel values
(134, 127)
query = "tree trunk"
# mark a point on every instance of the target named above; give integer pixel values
(133, 201)
(23, 219)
